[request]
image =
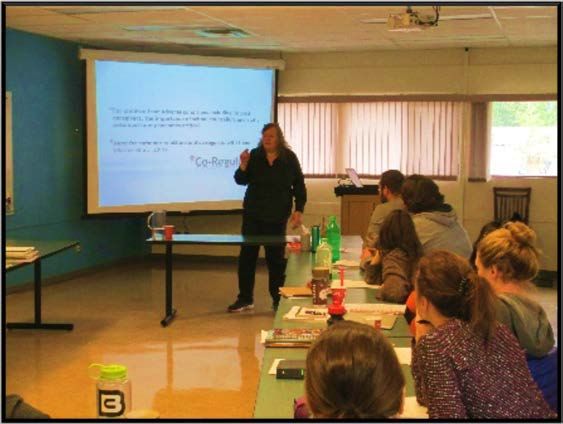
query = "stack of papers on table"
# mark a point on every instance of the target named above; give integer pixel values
(376, 308)
(290, 337)
(353, 284)
(17, 254)
(347, 263)
(296, 291)
(303, 313)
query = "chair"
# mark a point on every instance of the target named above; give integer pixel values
(544, 371)
(512, 204)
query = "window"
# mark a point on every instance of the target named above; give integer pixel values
(524, 139)
(371, 137)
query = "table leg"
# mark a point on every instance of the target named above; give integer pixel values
(37, 324)
(170, 313)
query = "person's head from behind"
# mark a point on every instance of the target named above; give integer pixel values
(272, 139)
(486, 229)
(508, 255)
(353, 372)
(390, 184)
(421, 194)
(447, 287)
(397, 231)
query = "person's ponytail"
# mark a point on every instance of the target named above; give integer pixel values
(481, 305)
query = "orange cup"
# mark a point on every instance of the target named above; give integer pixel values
(168, 232)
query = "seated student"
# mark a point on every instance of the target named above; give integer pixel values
(435, 221)
(465, 364)
(396, 257)
(508, 259)
(353, 372)
(390, 186)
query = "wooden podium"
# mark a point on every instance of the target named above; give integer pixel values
(356, 206)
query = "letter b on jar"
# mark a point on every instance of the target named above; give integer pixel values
(111, 403)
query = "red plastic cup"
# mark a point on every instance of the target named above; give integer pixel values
(168, 232)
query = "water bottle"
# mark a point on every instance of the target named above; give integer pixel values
(323, 256)
(333, 236)
(113, 390)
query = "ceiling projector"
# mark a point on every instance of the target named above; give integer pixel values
(411, 21)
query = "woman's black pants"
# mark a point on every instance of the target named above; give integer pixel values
(275, 259)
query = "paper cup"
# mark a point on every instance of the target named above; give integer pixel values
(168, 232)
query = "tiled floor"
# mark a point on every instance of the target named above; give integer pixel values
(206, 364)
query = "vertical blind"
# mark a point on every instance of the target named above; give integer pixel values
(312, 130)
(415, 137)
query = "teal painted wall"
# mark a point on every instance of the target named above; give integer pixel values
(47, 81)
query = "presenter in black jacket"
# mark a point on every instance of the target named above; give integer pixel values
(274, 178)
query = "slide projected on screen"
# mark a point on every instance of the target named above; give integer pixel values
(170, 135)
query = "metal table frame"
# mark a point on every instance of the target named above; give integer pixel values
(205, 239)
(37, 323)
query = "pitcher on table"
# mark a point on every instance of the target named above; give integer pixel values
(155, 223)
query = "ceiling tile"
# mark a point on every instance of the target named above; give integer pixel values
(50, 18)
(174, 17)
(15, 11)
(287, 28)
(506, 12)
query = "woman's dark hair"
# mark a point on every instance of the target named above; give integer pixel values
(455, 289)
(421, 194)
(283, 146)
(487, 228)
(397, 231)
(353, 372)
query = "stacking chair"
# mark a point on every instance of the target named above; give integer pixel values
(512, 204)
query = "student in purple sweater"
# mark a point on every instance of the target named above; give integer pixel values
(465, 364)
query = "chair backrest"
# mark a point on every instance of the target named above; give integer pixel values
(509, 201)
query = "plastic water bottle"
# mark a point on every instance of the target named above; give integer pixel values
(323, 257)
(113, 390)
(333, 236)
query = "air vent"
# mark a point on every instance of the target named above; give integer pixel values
(221, 33)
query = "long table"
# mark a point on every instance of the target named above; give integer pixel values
(275, 397)
(46, 248)
(206, 239)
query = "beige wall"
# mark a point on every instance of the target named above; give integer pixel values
(449, 71)
(445, 71)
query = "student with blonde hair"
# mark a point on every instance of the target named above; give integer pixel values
(509, 260)
(465, 364)
(353, 373)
